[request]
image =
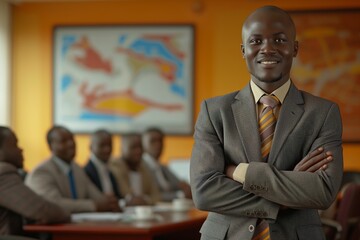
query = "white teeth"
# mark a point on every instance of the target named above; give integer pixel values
(268, 62)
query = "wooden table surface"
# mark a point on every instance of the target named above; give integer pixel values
(170, 225)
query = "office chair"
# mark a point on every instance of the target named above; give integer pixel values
(347, 215)
(350, 176)
(355, 234)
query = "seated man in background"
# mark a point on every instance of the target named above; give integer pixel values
(170, 186)
(17, 200)
(132, 174)
(97, 168)
(61, 180)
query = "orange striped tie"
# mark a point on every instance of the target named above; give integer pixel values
(261, 231)
(267, 123)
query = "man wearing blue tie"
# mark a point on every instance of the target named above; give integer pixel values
(97, 168)
(61, 180)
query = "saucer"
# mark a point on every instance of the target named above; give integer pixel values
(181, 208)
(142, 218)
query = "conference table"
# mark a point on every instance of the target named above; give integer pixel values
(164, 225)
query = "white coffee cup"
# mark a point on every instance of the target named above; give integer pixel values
(182, 204)
(143, 212)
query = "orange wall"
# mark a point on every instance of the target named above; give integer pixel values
(219, 66)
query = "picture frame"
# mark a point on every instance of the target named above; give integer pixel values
(328, 61)
(124, 78)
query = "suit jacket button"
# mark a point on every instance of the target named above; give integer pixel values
(251, 228)
(258, 187)
(252, 187)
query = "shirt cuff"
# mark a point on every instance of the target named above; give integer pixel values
(240, 172)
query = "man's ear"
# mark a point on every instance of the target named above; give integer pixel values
(296, 48)
(243, 50)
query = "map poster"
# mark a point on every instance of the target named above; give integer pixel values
(124, 78)
(328, 62)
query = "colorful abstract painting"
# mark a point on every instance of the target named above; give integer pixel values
(328, 63)
(124, 78)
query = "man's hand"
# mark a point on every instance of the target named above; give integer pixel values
(314, 161)
(110, 203)
(135, 200)
(185, 188)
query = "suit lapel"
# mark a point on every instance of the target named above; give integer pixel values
(244, 112)
(95, 174)
(290, 113)
(61, 179)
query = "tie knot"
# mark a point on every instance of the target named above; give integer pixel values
(269, 100)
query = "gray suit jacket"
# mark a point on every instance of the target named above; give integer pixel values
(18, 201)
(48, 180)
(121, 172)
(226, 132)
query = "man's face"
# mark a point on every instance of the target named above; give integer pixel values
(133, 150)
(10, 151)
(101, 146)
(153, 144)
(63, 145)
(269, 47)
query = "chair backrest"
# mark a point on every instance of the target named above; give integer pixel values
(355, 234)
(348, 212)
(350, 176)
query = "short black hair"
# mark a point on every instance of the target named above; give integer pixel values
(100, 132)
(49, 135)
(154, 129)
(3, 134)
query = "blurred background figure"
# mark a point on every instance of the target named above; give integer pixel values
(17, 200)
(169, 184)
(133, 176)
(97, 167)
(61, 180)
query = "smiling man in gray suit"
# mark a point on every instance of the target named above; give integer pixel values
(248, 182)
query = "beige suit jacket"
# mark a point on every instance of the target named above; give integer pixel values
(226, 132)
(18, 201)
(48, 180)
(121, 173)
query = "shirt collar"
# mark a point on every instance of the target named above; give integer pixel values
(65, 168)
(98, 163)
(280, 93)
(152, 163)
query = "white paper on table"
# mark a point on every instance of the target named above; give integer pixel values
(106, 216)
(163, 207)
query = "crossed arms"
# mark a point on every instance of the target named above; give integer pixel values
(312, 181)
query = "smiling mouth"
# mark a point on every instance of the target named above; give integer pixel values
(268, 62)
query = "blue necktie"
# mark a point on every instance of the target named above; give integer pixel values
(72, 184)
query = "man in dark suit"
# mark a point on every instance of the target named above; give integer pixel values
(17, 200)
(61, 180)
(169, 185)
(97, 169)
(277, 183)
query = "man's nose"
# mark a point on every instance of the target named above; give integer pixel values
(268, 47)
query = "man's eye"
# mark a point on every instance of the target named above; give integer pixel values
(255, 41)
(280, 40)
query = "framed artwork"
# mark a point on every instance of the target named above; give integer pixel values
(328, 62)
(124, 78)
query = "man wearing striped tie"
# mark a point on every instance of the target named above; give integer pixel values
(268, 156)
